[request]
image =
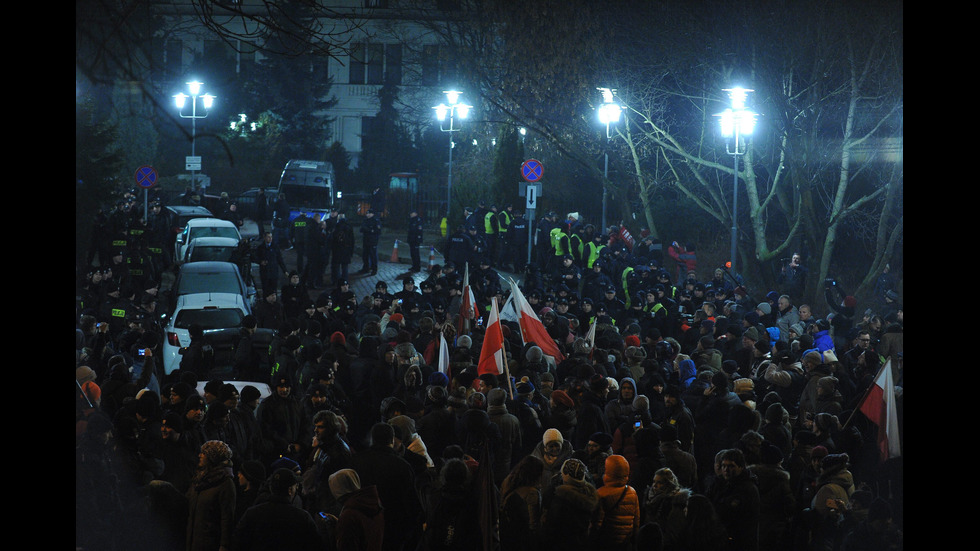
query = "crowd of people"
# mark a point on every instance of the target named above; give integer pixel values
(681, 412)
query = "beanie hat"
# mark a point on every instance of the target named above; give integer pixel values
(344, 482)
(84, 374)
(562, 397)
(641, 403)
(249, 393)
(834, 460)
(850, 302)
(338, 338)
(552, 435)
(826, 422)
(477, 400)
(407, 426)
(632, 340)
(497, 396)
(818, 452)
(617, 470)
(534, 354)
(548, 377)
(764, 307)
(438, 378)
(525, 388)
(828, 383)
(396, 318)
(281, 481)
(285, 463)
(574, 468)
(601, 438)
(636, 353)
(751, 333)
(720, 380)
(253, 471)
(437, 394)
(797, 328)
(216, 451)
(771, 455)
(457, 398)
(464, 341)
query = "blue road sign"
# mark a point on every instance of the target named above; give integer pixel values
(532, 170)
(146, 177)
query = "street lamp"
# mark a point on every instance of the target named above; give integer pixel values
(207, 100)
(609, 113)
(736, 122)
(442, 111)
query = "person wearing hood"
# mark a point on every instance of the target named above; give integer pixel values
(410, 438)
(211, 499)
(617, 519)
(619, 410)
(361, 522)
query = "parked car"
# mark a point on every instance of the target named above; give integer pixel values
(210, 277)
(219, 314)
(178, 216)
(218, 249)
(203, 227)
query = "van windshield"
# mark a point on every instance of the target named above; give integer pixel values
(306, 197)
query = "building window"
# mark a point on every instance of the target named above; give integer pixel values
(373, 63)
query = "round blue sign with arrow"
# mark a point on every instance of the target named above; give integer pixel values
(532, 170)
(146, 177)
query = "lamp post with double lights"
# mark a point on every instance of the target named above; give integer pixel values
(207, 100)
(609, 113)
(451, 111)
(736, 122)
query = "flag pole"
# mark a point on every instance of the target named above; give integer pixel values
(867, 391)
(503, 352)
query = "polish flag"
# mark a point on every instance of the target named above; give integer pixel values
(879, 407)
(532, 330)
(625, 235)
(590, 336)
(492, 353)
(443, 354)
(467, 305)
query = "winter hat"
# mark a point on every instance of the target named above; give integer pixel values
(464, 341)
(552, 435)
(775, 413)
(751, 333)
(632, 340)
(84, 374)
(216, 451)
(396, 318)
(285, 463)
(850, 302)
(826, 422)
(771, 455)
(562, 397)
(406, 424)
(764, 307)
(477, 400)
(282, 480)
(457, 399)
(338, 338)
(818, 452)
(253, 471)
(497, 396)
(525, 388)
(617, 470)
(438, 395)
(613, 385)
(344, 482)
(797, 328)
(601, 438)
(641, 403)
(534, 354)
(574, 468)
(93, 392)
(834, 460)
(636, 353)
(548, 377)
(720, 380)
(828, 383)
(439, 378)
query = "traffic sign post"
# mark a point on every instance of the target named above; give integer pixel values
(146, 177)
(192, 162)
(532, 170)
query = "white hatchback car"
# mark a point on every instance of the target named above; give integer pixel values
(219, 314)
(203, 227)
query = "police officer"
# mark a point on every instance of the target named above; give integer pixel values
(491, 231)
(415, 231)
(478, 247)
(516, 253)
(458, 246)
(371, 229)
(301, 238)
(504, 219)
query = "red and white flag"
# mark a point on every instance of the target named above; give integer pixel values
(625, 235)
(443, 354)
(492, 353)
(532, 330)
(590, 336)
(467, 304)
(879, 407)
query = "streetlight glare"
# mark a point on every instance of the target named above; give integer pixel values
(464, 110)
(452, 96)
(208, 100)
(609, 113)
(180, 99)
(441, 112)
(607, 94)
(195, 87)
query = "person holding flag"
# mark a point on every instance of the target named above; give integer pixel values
(532, 329)
(493, 356)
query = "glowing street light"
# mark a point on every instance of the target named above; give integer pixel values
(451, 111)
(207, 100)
(609, 113)
(736, 122)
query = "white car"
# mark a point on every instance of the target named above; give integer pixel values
(203, 227)
(219, 314)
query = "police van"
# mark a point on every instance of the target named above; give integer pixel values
(310, 188)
